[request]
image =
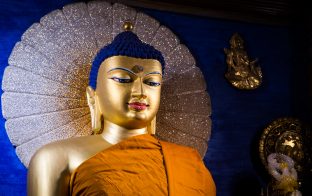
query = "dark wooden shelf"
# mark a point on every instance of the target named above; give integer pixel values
(275, 12)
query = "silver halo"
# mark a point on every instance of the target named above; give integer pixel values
(44, 84)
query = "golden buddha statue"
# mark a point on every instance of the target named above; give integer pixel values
(125, 158)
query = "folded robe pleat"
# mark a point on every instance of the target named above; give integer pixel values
(143, 165)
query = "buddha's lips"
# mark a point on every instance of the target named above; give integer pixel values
(138, 105)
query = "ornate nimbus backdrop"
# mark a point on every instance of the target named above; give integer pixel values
(237, 117)
(44, 98)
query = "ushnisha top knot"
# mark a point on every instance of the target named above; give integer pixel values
(127, 44)
(128, 26)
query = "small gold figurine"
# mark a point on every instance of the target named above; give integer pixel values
(242, 72)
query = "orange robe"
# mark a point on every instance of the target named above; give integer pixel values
(143, 165)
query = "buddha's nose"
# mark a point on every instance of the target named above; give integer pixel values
(138, 89)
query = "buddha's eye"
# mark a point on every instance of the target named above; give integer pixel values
(122, 80)
(151, 83)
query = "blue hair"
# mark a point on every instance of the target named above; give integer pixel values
(125, 44)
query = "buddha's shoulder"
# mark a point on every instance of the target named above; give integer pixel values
(67, 145)
(77, 149)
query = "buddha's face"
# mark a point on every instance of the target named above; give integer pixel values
(128, 90)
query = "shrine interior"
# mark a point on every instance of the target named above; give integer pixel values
(278, 33)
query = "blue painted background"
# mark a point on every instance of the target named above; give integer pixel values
(238, 117)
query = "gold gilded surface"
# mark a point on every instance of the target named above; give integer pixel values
(127, 97)
(131, 86)
(128, 26)
(242, 73)
(47, 87)
(290, 137)
(128, 91)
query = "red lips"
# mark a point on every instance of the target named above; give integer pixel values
(138, 105)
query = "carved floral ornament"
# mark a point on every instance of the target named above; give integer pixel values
(44, 85)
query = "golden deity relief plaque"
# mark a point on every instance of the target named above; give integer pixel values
(243, 73)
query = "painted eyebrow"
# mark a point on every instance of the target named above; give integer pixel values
(122, 68)
(154, 72)
(130, 71)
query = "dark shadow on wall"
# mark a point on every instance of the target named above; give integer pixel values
(245, 183)
(302, 49)
(301, 45)
(259, 168)
(253, 184)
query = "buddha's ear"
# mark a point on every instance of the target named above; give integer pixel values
(151, 128)
(94, 110)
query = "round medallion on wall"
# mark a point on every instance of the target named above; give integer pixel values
(288, 136)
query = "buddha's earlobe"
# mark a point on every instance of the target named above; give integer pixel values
(94, 110)
(151, 128)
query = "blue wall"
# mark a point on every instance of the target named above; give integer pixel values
(238, 117)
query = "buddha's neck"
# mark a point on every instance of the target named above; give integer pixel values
(114, 133)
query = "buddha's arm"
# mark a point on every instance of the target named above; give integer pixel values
(48, 173)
